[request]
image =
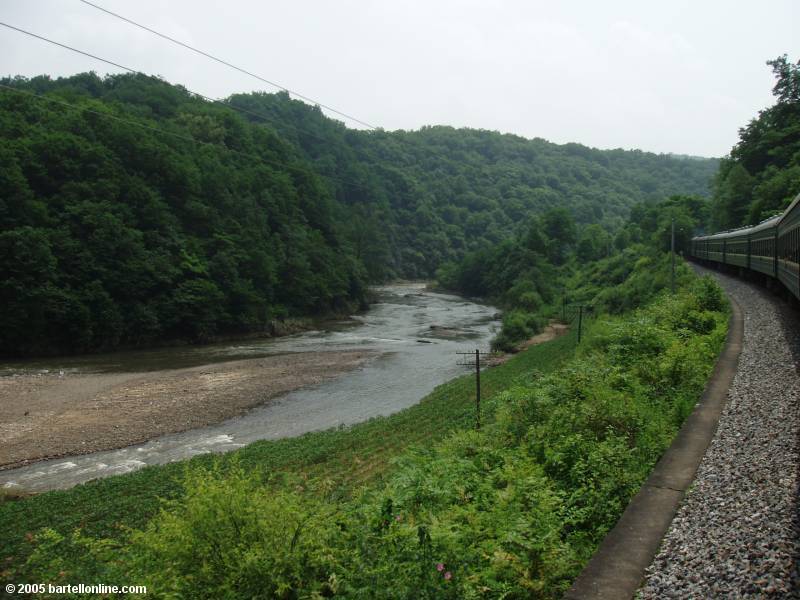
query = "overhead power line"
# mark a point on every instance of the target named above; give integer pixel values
(49, 41)
(198, 94)
(173, 134)
(228, 64)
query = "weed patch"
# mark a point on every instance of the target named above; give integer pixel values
(418, 505)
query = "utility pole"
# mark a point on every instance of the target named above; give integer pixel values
(477, 389)
(477, 365)
(672, 252)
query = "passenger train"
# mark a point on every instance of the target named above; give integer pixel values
(772, 248)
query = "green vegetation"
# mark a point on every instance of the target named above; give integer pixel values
(440, 192)
(336, 462)
(639, 266)
(521, 274)
(117, 235)
(512, 511)
(137, 213)
(552, 264)
(419, 504)
(762, 174)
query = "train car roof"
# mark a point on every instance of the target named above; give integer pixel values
(765, 224)
(723, 234)
(794, 205)
(714, 236)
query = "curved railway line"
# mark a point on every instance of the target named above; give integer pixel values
(771, 248)
(737, 531)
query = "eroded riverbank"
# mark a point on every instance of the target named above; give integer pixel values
(47, 415)
(379, 363)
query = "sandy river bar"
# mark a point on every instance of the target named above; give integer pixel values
(52, 415)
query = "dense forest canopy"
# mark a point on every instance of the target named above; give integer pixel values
(620, 268)
(762, 173)
(112, 233)
(441, 192)
(132, 211)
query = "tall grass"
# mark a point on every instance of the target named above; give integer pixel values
(334, 463)
(419, 505)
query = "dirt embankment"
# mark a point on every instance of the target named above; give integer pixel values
(551, 332)
(45, 416)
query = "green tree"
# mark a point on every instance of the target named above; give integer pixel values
(594, 243)
(559, 227)
(733, 190)
(787, 86)
(240, 219)
(762, 174)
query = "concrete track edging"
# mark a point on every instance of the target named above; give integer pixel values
(617, 568)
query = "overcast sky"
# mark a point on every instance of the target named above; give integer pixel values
(677, 76)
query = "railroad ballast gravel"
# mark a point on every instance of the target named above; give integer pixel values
(736, 534)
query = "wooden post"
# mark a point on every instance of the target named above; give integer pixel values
(580, 321)
(477, 389)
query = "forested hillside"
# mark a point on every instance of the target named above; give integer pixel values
(133, 212)
(441, 191)
(598, 266)
(116, 234)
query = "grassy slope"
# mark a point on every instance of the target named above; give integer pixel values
(337, 460)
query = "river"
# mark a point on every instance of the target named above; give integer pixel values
(415, 332)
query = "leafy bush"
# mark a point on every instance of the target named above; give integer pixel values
(709, 295)
(518, 325)
(231, 538)
(511, 511)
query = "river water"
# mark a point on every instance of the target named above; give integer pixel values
(415, 332)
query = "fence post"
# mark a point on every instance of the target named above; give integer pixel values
(580, 321)
(477, 389)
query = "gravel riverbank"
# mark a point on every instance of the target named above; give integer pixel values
(53, 415)
(737, 532)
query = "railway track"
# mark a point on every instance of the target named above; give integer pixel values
(737, 531)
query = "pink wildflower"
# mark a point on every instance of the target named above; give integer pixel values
(448, 575)
(398, 518)
(440, 567)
